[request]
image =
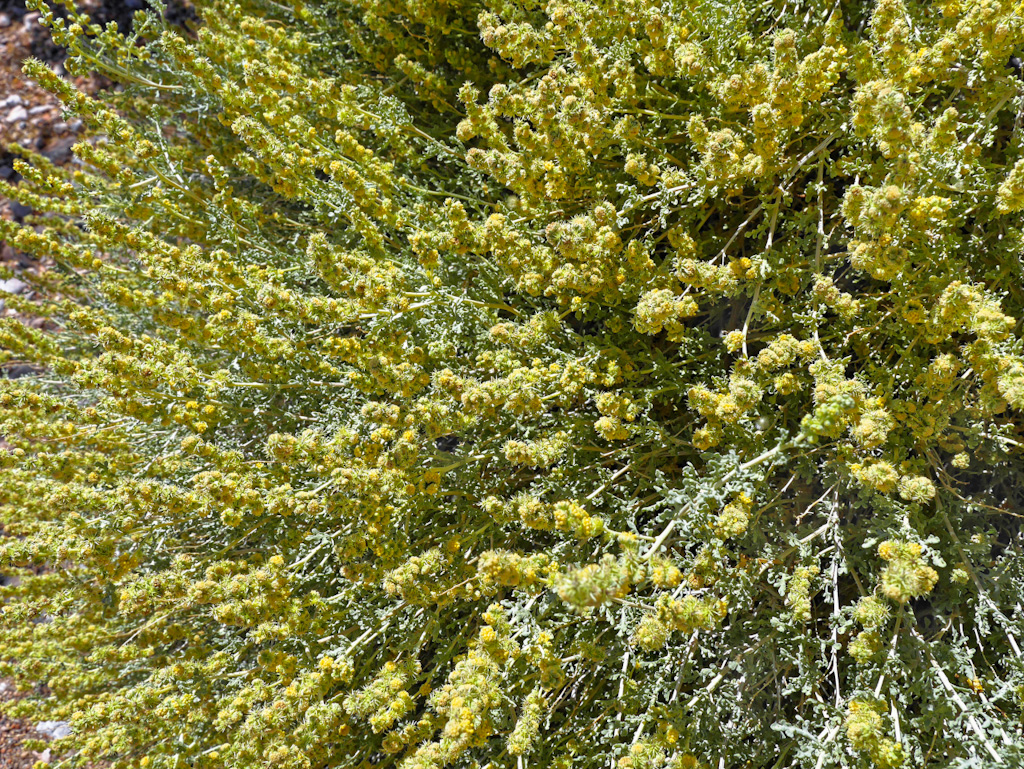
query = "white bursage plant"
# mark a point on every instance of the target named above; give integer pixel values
(497, 384)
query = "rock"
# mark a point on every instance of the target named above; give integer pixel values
(60, 151)
(54, 729)
(447, 443)
(19, 210)
(44, 757)
(13, 286)
(40, 109)
(16, 115)
(9, 253)
(5, 21)
(17, 371)
(14, 100)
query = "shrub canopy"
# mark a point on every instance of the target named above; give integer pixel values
(501, 383)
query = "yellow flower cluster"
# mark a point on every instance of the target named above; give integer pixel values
(906, 574)
(865, 725)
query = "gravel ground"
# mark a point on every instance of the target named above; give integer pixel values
(29, 116)
(13, 755)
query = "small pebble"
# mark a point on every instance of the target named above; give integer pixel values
(60, 152)
(12, 286)
(13, 100)
(19, 210)
(40, 109)
(5, 21)
(17, 114)
(55, 729)
(9, 254)
(17, 372)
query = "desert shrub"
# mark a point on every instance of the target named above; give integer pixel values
(506, 384)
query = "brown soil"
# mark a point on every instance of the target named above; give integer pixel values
(13, 754)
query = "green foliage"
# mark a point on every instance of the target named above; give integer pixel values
(504, 384)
